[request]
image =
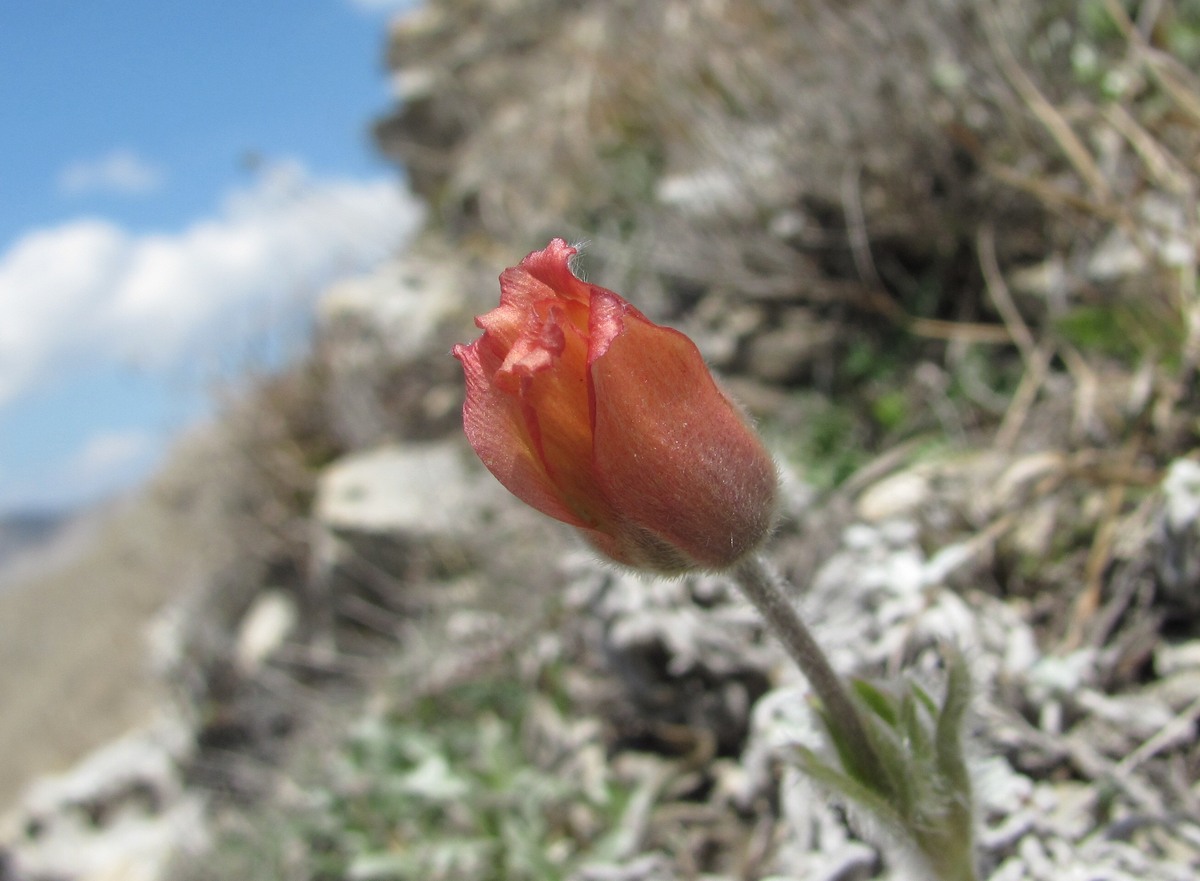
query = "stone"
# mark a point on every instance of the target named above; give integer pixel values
(1177, 562)
(427, 491)
(898, 495)
(264, 628)
(395, 515)
(1171, 658)
(399, 308)
(122, 813)
(687, 651)
(382, 342)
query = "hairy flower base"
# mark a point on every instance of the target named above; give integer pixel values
(591, 413)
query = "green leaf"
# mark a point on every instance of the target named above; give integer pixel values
(852, 791)
(900, 785)
(877, 701)
(837, 737)
(951, 763)
(916, 730)
(925, 698)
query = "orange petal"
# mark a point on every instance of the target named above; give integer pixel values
(495, 426)
(557, 402)
(520, 294)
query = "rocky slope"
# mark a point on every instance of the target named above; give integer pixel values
(22, 533)
(945, 253)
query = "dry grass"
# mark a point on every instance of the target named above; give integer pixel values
(1119, 163)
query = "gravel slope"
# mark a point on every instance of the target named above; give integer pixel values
(73, 662)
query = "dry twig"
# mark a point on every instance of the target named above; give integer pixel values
(1047, 114)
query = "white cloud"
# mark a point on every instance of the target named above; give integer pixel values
(105, 458)
(384, 5)
(121, 171)
(89, 292)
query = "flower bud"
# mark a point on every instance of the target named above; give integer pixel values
(594, 415)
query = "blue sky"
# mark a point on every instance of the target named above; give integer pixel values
(177, 182)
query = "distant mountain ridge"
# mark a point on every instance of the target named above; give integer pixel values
(25, 531)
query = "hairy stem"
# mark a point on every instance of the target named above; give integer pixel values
(764, 588)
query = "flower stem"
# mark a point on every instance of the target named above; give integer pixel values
(764, 588)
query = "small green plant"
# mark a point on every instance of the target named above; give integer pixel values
(897, 758)
(1125, 330)
(922, 798)
(454, 788)
(890, 410)
(452, 791)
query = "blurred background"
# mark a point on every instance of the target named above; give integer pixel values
(262, 613)
(180, 183)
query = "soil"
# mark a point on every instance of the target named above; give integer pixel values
(74, 670)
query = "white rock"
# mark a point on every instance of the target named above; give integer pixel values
(1116, 257)
(407, 490)
(401, 305)
(122, 813)
(143, 759)
(264, 628)
(1170, 658)
(1181, 489)
(1049, 280)
(899, 495)
(131, 848)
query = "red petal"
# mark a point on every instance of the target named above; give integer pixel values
(672, 454)
(520, 294)
(552, 267)
(496, 428)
